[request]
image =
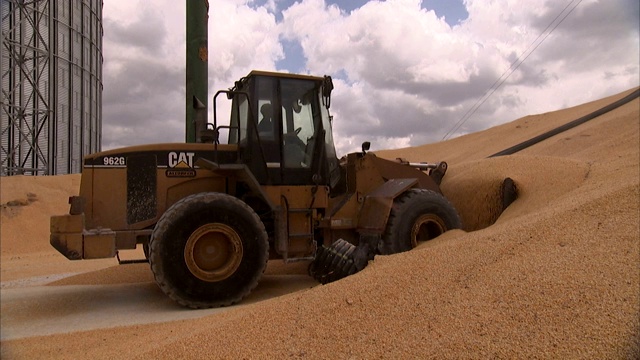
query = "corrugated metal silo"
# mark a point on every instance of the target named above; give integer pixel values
(51, 68)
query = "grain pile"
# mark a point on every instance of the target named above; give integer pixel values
(556, 276)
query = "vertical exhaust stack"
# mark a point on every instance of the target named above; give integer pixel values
(197, 72)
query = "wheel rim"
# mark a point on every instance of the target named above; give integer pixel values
(427, 227)
(213, 252)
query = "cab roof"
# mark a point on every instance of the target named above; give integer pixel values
(284, 75)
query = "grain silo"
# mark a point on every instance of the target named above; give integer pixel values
(51, 67)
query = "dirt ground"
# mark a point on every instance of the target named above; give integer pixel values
(556, 276)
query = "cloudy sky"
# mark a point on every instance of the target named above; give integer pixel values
(406, 72)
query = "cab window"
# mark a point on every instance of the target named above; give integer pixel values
(300, 122)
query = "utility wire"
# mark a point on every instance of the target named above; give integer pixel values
(514, 66)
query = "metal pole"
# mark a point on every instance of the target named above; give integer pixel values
(197, 74)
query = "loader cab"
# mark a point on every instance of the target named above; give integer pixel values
(283, 129)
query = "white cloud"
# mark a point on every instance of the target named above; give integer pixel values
(241, 38)
(403, 76)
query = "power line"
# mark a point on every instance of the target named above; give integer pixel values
(514, 66)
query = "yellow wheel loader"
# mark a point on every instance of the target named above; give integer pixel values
(268, 185)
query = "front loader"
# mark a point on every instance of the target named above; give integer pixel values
(266, 185)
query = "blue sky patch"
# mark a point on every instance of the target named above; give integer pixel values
(453, 11)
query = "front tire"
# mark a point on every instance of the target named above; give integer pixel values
(417, 215)
(208, 250)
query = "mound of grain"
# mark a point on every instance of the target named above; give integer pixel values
(556, 276)
(35, 199)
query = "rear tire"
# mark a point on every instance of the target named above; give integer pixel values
(208, 250)
(417, 215)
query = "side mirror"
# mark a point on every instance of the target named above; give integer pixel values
(365, 147)
(327, 87)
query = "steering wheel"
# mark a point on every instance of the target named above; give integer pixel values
(292, 139)
(295, 150)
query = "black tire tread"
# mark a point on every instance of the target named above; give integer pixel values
(166, 221)
(334, 262)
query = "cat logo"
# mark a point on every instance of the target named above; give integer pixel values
(180, 164)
